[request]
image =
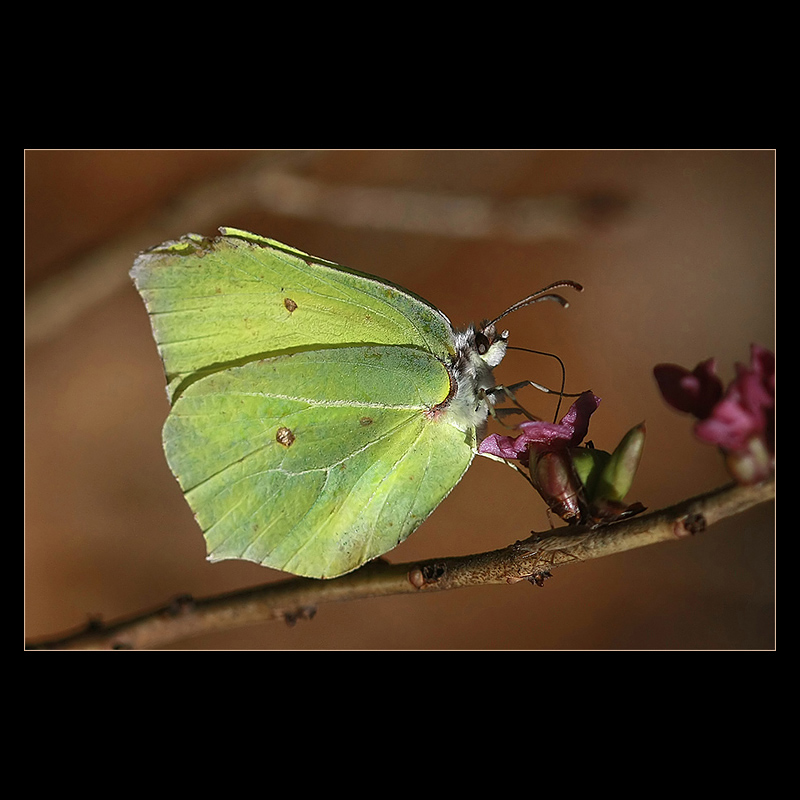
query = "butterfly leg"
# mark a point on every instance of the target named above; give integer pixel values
(509, 392)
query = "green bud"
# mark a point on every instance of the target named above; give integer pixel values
(588, 464)
(615, 480)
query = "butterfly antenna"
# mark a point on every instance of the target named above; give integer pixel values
(543, 294)
(561, 393)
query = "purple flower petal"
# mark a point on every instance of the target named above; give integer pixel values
(540, 437)
(509, 447)
(570, 432)
(762, 362)
(748, 408)
(693, 392)
(730, 426)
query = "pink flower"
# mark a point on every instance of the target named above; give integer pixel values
(579, 484)
(539, 437)
(740, 421)
(691, 392)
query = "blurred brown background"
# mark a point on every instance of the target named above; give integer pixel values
(675, 249)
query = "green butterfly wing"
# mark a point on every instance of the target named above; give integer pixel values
(305, 429)
(289, 464)
(222, 302)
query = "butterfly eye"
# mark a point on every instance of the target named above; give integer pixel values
(481, 342)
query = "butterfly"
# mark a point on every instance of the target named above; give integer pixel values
(318, 414)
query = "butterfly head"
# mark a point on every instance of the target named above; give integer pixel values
(489, 344)
(478, 349)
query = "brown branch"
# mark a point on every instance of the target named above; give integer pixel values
(531, 559)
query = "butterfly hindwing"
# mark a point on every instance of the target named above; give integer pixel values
(316, 462)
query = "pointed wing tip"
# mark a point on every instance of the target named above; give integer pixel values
(155, 257)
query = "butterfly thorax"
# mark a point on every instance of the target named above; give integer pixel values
(477, 352)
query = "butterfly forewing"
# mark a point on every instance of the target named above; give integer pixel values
(220, 303)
